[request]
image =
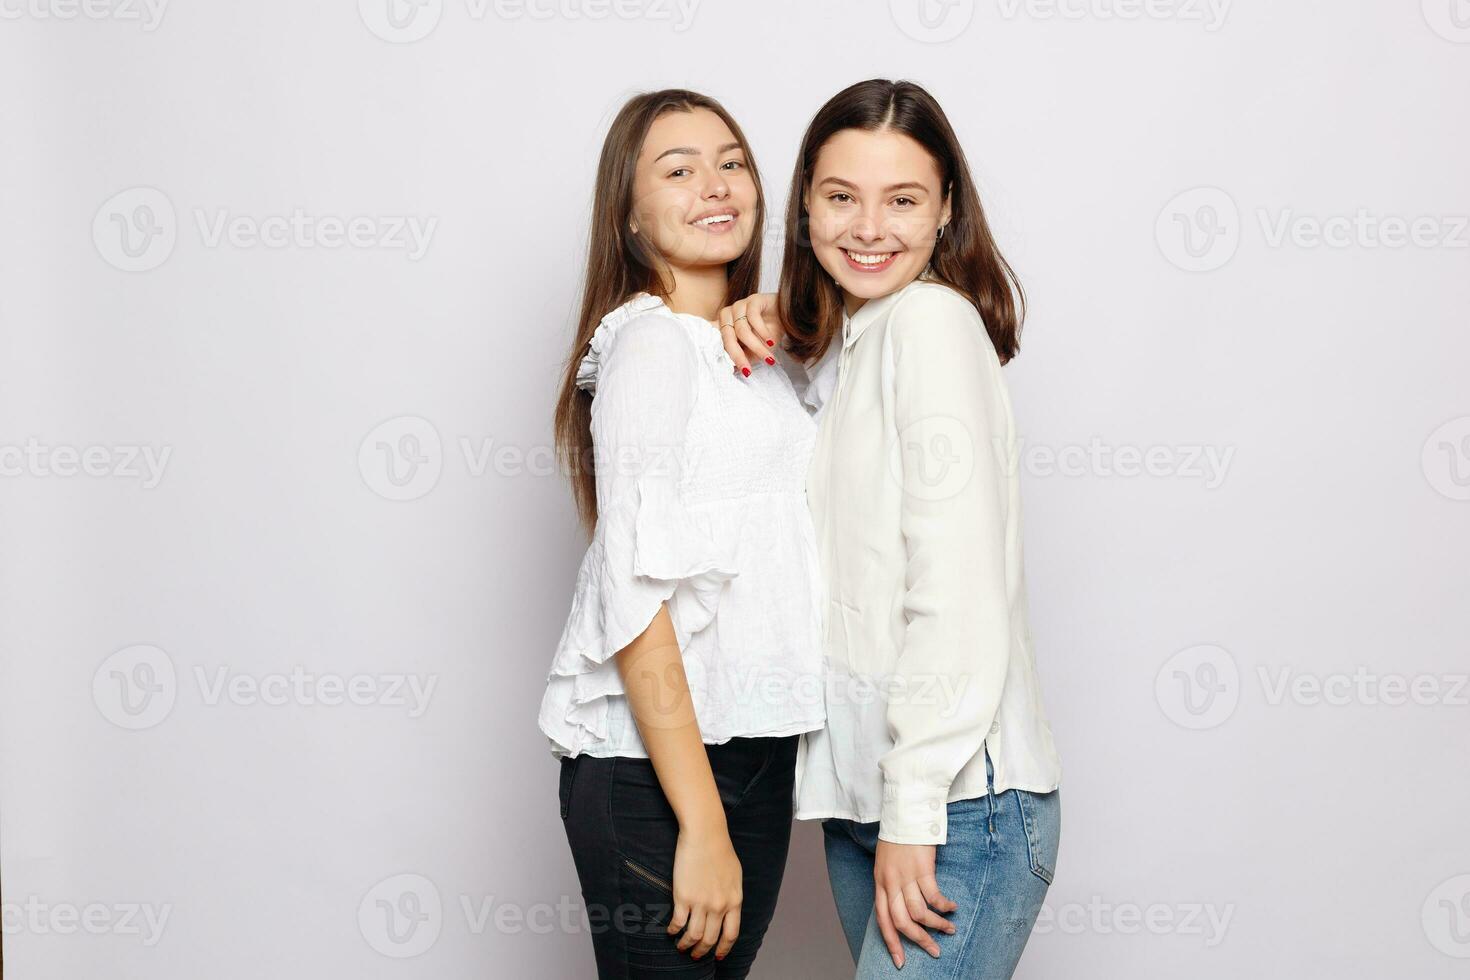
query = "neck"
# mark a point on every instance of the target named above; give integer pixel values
(851, 303)
(699, 290)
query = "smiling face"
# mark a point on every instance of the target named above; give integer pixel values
(693, 195)
(875, 202)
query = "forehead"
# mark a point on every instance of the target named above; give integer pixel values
(875, 159)
(698, 129)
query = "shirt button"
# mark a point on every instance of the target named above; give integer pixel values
(995, 728)
(934, 804)
(934, 828)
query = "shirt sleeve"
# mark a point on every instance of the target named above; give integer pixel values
(953, 445)
(646, 547)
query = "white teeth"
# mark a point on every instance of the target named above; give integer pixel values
(716, 219)
(861, 259)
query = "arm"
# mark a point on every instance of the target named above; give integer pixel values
(953, 437)
(640, 414)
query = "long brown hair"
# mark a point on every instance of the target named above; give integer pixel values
(966, 258)
(622, 263)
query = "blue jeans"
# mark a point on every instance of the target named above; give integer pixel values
(996, 866)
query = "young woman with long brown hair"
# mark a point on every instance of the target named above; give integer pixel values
(691, 660)
(936, 777)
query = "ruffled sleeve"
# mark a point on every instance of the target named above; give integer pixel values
(647, 547)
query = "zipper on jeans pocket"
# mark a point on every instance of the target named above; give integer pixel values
(648, 876)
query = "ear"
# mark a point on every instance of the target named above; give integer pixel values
(945, 212)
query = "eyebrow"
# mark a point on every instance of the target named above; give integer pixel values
(690, 151)
(906, 185)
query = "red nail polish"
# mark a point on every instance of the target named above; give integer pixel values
(745, 371)
(770, 360)
(770, 343)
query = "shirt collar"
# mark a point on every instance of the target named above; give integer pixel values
(871, 311)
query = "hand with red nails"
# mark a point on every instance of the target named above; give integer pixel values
(752, 330)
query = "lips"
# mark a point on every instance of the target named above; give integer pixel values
(718, 221)
(869, 262)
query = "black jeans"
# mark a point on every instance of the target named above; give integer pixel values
(623, 832)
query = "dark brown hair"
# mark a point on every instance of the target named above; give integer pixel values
(622, 263)
(966, 258)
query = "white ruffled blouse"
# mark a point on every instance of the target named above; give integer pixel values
(701, 497)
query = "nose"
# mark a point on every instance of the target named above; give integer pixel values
(867, 227)
(717, 189)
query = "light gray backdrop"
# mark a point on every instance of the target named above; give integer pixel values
(285, 289)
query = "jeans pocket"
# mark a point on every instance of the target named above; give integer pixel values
(1041, 815)
(564, 784)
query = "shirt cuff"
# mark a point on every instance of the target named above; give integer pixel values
(914, 814)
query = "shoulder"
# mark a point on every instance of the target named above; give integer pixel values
(934, 320)
(644, 334)
(927, 305)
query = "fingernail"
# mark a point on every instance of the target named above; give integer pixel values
(770, 360)
(745, 371)
(770, 343)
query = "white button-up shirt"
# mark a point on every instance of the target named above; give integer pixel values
(914, 491)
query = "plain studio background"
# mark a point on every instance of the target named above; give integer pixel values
(286, 292)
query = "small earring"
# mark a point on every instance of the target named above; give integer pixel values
(940, 235)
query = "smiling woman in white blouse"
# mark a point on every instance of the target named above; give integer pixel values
(691, 661)
(936, 776)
